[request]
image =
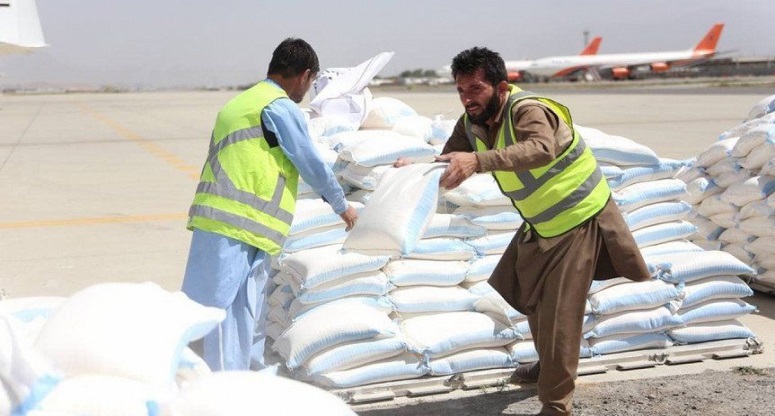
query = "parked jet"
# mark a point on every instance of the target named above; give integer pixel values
(20, 30)
(516, 69)
(622, 65)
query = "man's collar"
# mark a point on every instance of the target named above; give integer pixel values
(499, 116)
(271, 81)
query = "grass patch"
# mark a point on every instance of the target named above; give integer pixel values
(748, 370)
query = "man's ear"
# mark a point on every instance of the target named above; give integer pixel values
(502, 87)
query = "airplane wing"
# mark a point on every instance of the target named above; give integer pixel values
(20, 30)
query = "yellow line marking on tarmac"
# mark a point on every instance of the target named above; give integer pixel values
(150, 147)
(93, 221)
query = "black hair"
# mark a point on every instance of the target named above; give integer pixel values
(470, 60)
(292, 57)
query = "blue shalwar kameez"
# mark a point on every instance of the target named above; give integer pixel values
(229, 274)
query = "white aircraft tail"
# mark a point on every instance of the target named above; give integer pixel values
(20, 29)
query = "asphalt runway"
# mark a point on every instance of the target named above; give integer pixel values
(96, 187)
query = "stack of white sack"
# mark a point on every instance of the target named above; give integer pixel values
(392, 129)
(313, 272)
(385, 310)
(435, 258)
(121, 349)
(731, 185)
(329, 312)
(432, 274)
(674, 307)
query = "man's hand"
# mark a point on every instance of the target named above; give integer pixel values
(349, 216)
(461, 166)
(401, 161)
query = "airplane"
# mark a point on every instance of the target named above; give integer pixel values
(516, 69)
(623, 65)
(20, 30)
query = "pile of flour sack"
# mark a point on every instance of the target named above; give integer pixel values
(404, 295)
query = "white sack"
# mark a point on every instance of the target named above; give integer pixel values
(410, 272)
(616, 149)
(635, 295)
(230, 393)
(318, 266)
(399, 212)
(710, 331)
(446, 333)
(715, 152)
(132, 330)
(619, 343)
(714, 287)
(678, 267)
(101, 395)
(384, 112)
(762, 108)
(752, 138)
(385, 152)
(329, 325)
(637, 195)
(26, 375)
(401, 367)
(415, 126)
(471, 360)
(425, 299)
(754, 189)
(343, 92)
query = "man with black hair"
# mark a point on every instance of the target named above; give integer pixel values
(573, 231)
(245, 200)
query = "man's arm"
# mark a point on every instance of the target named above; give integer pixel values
(286, 121)
(535, 146)
(458, 140)
(458, 152)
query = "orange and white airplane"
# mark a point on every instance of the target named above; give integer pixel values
(623, 64)
(516, 69)
(20, 30)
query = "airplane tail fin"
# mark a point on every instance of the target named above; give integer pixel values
(708, 44)
(592, 47)
(20, 29)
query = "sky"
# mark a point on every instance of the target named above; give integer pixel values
(195, 43)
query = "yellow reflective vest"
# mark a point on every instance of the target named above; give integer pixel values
(560, 196)
(247, 189)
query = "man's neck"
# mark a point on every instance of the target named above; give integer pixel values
(279, 80)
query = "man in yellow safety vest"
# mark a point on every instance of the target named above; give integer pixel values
(245, 200)
(573, 231)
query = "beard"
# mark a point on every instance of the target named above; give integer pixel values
(493, 106)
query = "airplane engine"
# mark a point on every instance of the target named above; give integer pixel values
(621, 72)
(659, 67)
(514, 76)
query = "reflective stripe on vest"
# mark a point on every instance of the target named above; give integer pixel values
(224, 187)
(257, 212)
(547, 214)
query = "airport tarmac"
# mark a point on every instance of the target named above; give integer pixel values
(96, 187)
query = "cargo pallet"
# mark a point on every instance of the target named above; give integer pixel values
(625, 361)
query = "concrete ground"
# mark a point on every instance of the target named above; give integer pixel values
(95, 187)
